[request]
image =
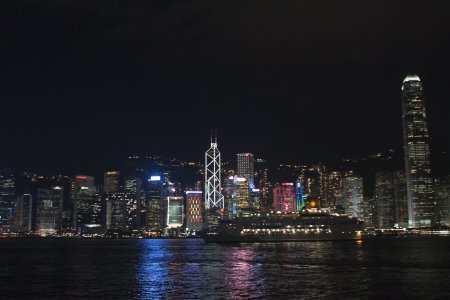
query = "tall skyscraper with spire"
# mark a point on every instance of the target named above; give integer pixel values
(213, 194)
(419, 183)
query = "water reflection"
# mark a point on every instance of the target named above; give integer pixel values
(152, 269)
(192, 269)
(180, 269)
(242, 274)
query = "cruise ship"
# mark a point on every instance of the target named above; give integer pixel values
(307, 225)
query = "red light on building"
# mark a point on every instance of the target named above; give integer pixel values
(284, 197)
(80, 177)
(194, 210)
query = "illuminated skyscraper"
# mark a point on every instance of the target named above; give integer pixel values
(390, 199)
(194, 210)
(174, 211)
(255, 199)
(334, 188)
(82, 180)
(82, 195)
(116, 210)
(228, 193)
(49, 210)
(419, 183)
(246, 167)
(263, 184)
(443, 200)
(299, 198)
(284, 197)
(111, 182)
(384, 197)
(323, 186)
(7, 194)
(24, 209)
(153, 203)
(241, 196)
(213, 194)
(132, 187)
(353, 196)
(401, 203)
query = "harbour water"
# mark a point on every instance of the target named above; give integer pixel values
(376, 268)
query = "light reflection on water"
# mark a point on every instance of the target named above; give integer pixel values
(176, 269)
(193, 269)
(181, 269)
(152, 269)
(242, 273)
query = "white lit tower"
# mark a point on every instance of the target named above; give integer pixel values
(419, 182)
(213, 195)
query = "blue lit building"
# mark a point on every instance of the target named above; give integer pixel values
(299, 199)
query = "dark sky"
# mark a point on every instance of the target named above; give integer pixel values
(85, 83)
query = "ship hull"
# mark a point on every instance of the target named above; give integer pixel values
(223, 238)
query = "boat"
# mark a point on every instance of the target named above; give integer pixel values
(306, 225)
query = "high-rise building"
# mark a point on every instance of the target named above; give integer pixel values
(443, 202)
(228, 194)
(49, 210)
(194, 210)
(153, 203)
(241, 196)
(400, 199)
(255, 200)
(82, 180)
(419, 183)
(390, 199)
(384, 197)
(246, 168)
(314, 184)
(284, 197)
(111, 182)
(370, 212)
(334, 188)
(7, 196)
(263, 184)
(175, 215)
(88, 204)
(132, 187)
(213, 195)
(214, 200)
(353, 197)
(83, 192)
(24, 213)
(170, 189)
(95, 221)
(299, 197)
(322, 176)
(116, 210)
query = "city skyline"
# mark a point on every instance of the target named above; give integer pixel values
(197, 149)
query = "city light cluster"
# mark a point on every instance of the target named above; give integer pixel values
(172, 198)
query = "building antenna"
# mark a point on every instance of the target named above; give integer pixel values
(216, 137)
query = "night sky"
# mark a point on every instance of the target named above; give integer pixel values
(83, 84)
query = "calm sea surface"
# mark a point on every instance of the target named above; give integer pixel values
(382, 268)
